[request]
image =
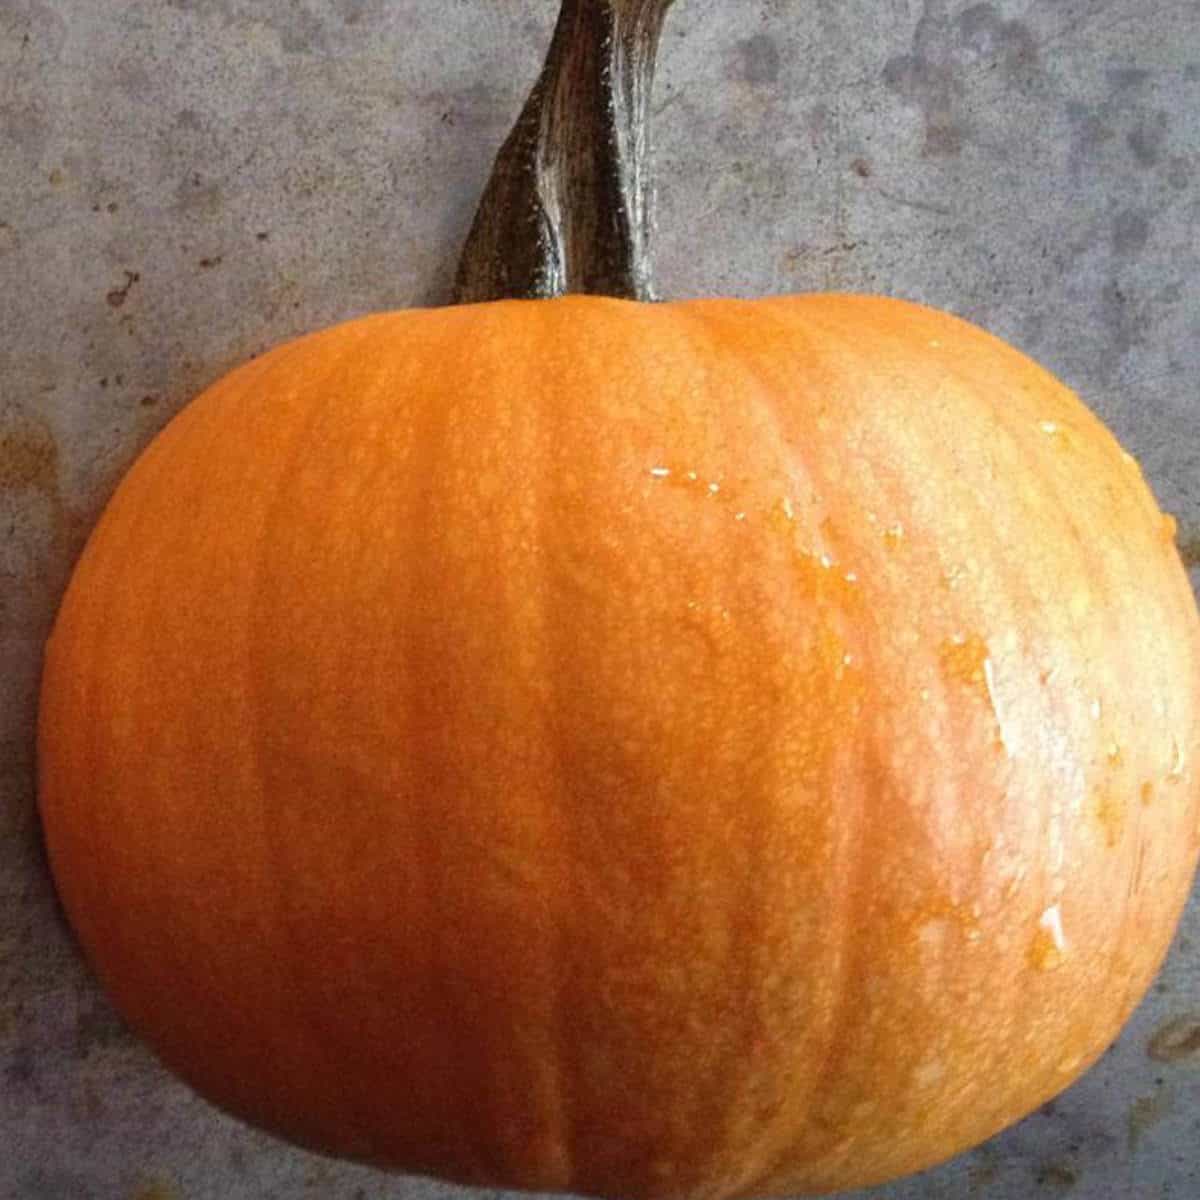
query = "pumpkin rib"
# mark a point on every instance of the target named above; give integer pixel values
(981, 518)
(495, 1151)
(553, 625)
(475, 1154)
(768, 1156)
(1116, 621)
(317, 396)
(702, 342)
(1052, 485)
(287, 452)
(853, 891)
(545, 1160)
(855, 882)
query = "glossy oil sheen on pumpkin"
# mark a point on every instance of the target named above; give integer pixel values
(643, 750)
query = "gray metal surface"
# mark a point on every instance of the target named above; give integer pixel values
(183, 182)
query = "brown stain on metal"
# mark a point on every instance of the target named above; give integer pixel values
(984, 1170)
(28, 457)
(38, 523)
(155, 1189)
(937, 75)
(1144, 1113)
(1177, 1042)
(86, 1103)
(1059, 1175)
(29, 462)
(21, 1070)
(99, 1028)
(118, 295)
(1188, 544)
(758, 61)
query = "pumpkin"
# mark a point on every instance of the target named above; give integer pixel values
(695, 749)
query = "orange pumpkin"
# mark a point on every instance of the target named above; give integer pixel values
(764, 766)
(704, 749)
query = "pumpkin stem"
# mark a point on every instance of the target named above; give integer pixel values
(569, 207)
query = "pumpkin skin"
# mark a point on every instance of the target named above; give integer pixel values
(706, 749)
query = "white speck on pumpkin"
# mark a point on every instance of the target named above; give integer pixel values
(989, 680)
(1051, 921)
(1177, 760)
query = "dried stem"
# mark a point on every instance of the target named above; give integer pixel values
(569, 207)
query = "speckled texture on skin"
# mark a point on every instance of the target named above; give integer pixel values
(185, 183)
